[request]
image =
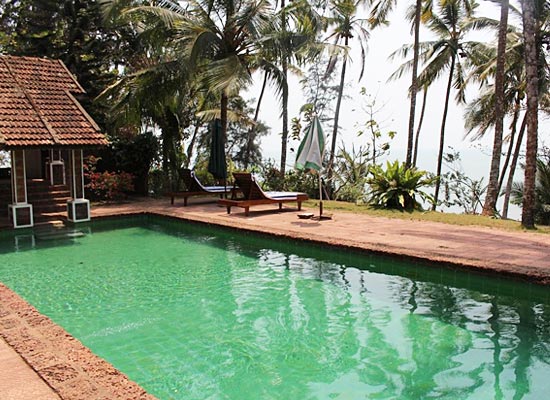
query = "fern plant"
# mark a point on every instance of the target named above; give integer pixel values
(398, 187)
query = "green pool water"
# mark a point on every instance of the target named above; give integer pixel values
(193, 313)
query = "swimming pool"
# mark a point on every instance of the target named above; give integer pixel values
(190, 312)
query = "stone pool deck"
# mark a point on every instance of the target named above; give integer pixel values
(39, 360)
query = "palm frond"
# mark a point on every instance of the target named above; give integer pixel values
(379, 12)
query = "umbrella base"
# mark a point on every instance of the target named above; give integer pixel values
(324, 217)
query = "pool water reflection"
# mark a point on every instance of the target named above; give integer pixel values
(193, 313)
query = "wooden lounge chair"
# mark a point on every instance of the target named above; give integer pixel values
(195, 188)
(252, 195)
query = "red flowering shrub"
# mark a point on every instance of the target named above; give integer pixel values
(106, 185)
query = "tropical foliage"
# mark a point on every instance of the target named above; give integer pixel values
(461, 190)
(170, 67)
(351, 171)
(398, 187)
(542, 193)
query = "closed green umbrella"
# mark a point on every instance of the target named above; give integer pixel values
(217, 164)
(310, 154)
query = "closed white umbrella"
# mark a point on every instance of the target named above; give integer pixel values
(310, 154)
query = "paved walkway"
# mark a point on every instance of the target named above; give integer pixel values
(18, 381)
(523, 254)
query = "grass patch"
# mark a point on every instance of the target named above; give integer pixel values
(434, 216)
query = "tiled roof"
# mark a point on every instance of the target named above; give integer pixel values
(37, 108)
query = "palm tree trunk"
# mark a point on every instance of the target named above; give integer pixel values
(169, 126)
(414, 84)
(191, 146)
(489, 206)
(418, 129)
(223, 116)
(284, 138)
(262, 92)
(253, 127)
(508, 190)
(530, 35)
(337, 116)
(442, 134)
(513, 127)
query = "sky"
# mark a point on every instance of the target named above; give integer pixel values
(394, 104)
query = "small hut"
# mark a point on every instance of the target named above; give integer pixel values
(45, 130)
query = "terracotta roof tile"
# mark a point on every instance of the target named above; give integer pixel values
(37, 108)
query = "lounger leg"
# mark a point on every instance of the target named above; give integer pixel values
(280, 206)
(246, 211)
(185, 201)
(299, 206)
(172, 200)
(228, 209)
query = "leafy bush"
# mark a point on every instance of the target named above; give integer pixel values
(351, 193)
(106, 185)
(460, 189)
(398, 186)
(350, 174)
(293, 181)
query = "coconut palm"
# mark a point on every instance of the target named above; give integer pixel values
(451, 23)
(378, 14)
(489, 206)
(220, 40)
(344, 25)
(134, 99)
(289, 47)
(420, 11)
(530, 35)
(480, 114)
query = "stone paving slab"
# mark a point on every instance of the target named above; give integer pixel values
(18, 381)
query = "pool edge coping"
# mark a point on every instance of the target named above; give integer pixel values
(500, 269)
(68, 367)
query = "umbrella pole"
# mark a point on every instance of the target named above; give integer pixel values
(320, 197)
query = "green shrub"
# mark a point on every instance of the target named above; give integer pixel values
(292, 181)
(351, 193)
(398, 187)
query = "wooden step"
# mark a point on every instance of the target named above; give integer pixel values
(59, 234)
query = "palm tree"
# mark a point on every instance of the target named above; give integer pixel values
(489, 207)
(451, 25)
(134, 99)
(414, 85)
(289, 45)
(345, 25)
(378, 14)
(480, 115)
(220, 41)
(284, 66)
(530, 35)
